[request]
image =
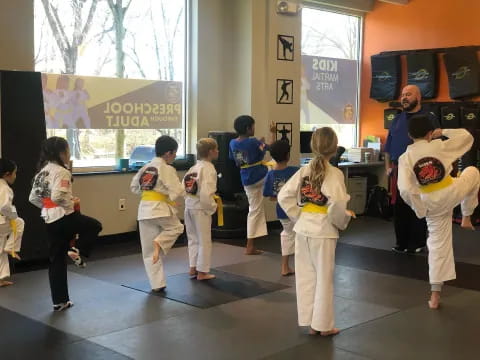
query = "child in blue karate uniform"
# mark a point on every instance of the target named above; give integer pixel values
(248, 153)
(276, 178)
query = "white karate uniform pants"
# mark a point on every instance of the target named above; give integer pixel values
(287, 237)
(8, 243)
(314, 266)
(199, 232)
(256, 222)
(164, 231)
(440, 204)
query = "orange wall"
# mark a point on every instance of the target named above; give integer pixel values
(421, 24)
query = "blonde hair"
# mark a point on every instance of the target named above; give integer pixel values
(324, 145)
(204, 146)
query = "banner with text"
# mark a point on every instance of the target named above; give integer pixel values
(329, 90)
(88, 102)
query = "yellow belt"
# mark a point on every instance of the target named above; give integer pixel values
(13, 253)
(219, 202)
(150, 195)
(314, 208)
(446, 182)
(263, 162)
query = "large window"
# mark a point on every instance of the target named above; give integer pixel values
(330, 72)
(126, 39)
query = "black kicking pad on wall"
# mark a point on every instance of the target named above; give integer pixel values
(225, 288)
(422, 71)
(385, 77)
(388, 116)
(463, 72)
(450, 116)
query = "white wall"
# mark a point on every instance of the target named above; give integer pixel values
(16, 35)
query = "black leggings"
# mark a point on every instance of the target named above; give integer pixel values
(60, 233)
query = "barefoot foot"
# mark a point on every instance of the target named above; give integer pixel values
(332, 332)
(4, 283)
(434, 302)
(253, 251)
(205, 276)
(193, 272)
(287, 272)
(313, 332)
(161, 289)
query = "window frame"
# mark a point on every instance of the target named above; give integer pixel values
(361, 16)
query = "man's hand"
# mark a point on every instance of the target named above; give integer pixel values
(388, 171)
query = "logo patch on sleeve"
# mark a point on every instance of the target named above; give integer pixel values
(64, 183)
(429, 170)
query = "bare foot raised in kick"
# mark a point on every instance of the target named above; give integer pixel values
(332, 332)
(434, 302)
(205, 276)
(467, 223)
(156, 252)
(4, 283)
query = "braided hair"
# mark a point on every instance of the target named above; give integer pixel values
(324, 144)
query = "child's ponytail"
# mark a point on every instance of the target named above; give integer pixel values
(324, 145)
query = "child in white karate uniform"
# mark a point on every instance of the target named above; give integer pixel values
(426, 186)
(200, 185)
(159, 186)
(315, 198)
(52, 192)
(11, 226)
(276, 178)
(248, 153)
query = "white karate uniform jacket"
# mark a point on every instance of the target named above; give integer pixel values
(8, 240)
(158, 176)
(54, 182)
(458, 143)
(317, 225)
(7, 209)
(203, 185)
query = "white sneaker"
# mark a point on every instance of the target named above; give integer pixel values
(74, 254)
(62, 306)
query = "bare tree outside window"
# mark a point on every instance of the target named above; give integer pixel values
(330, 34)
(111, 38)
(329, 92)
